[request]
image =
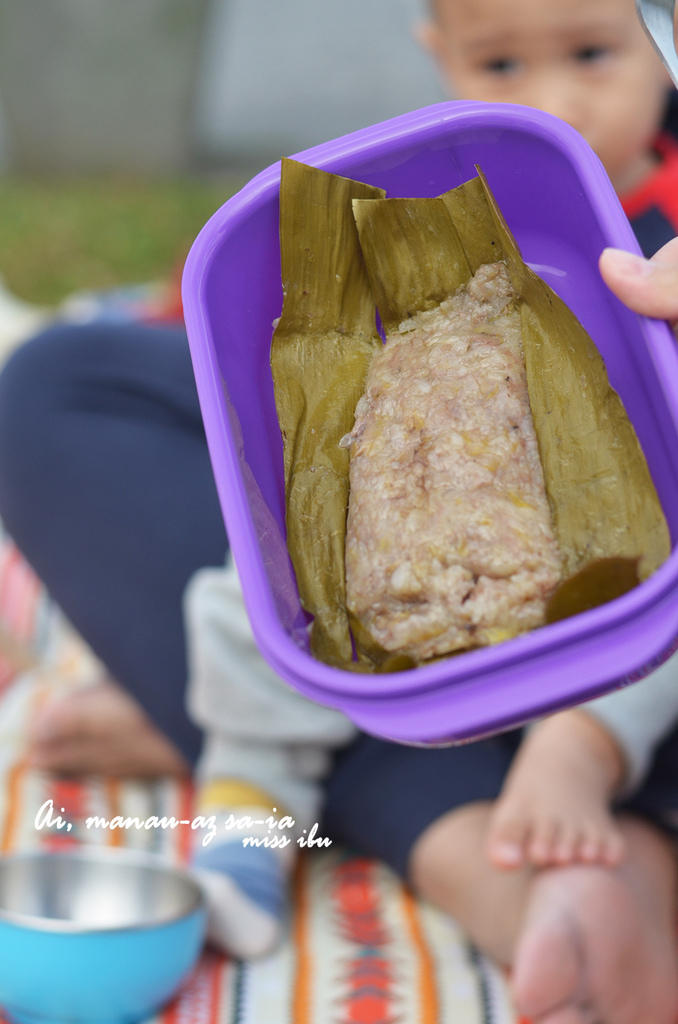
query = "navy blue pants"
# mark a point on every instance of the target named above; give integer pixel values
(382, 796)
(107, 489)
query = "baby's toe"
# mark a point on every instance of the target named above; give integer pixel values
(600, 843)
(613, 847)
(569, 843)
(543, 845)
(507, 840)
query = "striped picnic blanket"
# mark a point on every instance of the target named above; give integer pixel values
(361, 949)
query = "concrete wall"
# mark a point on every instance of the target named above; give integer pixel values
(99, 84)
(166, 85)
(282, 75)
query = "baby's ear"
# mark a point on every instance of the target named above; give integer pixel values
(429, 37)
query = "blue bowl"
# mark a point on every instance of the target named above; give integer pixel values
(95, 936)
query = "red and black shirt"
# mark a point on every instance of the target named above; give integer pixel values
(652, 207)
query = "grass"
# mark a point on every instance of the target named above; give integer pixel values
(61, 236)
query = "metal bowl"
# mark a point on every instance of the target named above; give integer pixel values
(95, 936)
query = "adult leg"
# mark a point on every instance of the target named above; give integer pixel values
(588, 944)
(598, 944)
(107, 488)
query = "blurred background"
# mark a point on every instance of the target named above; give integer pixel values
(125, 123)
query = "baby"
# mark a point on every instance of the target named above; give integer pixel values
(590, 63)
(267, 748)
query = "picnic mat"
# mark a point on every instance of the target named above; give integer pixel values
(360, 948)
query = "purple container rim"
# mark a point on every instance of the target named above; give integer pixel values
(314, 677)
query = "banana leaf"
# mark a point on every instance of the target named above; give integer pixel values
(408, 255)
(604, 505)
(320, 352)
(603, 500)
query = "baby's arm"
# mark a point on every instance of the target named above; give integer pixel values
(555, 806)
(640, 717)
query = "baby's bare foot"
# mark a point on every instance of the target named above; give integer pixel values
(598, 943)
(100, 730)
(554, 807)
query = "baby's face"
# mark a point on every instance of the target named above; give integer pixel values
(587, 61)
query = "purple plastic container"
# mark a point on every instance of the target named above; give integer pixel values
(562, 209)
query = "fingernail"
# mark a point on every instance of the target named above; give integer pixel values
(628, 263)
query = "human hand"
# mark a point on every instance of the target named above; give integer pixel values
(646, 286)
